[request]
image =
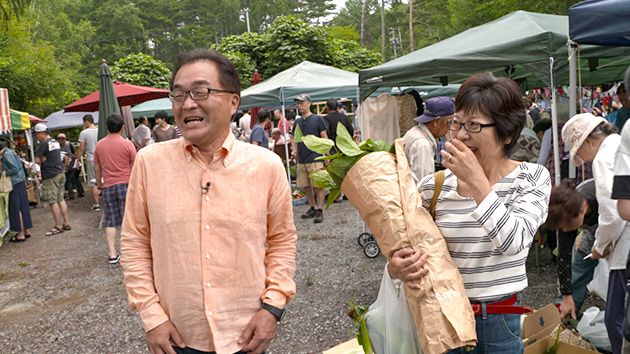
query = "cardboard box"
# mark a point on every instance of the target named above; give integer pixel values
(538, 325)
(541, 346)
(349, 347)
(536, 330)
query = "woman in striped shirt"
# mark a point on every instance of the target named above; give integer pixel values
(488, 210)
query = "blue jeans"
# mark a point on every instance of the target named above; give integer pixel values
(497, 334)
(195, 351)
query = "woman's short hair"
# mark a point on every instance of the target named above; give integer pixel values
(565, 203)
(497, 98)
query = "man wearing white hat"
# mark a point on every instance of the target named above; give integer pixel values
(591, 138)
(421, 141)
(48, 156)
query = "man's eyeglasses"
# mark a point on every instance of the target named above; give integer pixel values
(197, 94)
(470, 126)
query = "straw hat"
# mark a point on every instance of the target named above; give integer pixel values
(576, 130)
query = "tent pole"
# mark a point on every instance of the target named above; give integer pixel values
(285, 134)
(572, 92)
(554, 125)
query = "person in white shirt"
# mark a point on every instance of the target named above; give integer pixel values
(245, 124)
(87, 142)
(142, 134)
(421, 141)
(592, 138)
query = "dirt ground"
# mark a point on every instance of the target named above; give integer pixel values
(59, 295)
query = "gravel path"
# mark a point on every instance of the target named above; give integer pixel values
(59, 295)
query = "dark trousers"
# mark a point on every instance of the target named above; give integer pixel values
(195, 351)
(614, 314)
(18, 202)
(72, 182)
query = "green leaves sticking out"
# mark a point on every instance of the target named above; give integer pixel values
(340, 166)
(319, 145)
(329, 157)
(372, 146)
(341, 162)
(297, 135)
(323, 180)
(357, 313)
(345, 142)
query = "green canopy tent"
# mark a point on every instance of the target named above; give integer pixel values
(149, 108)
(527, 47)
(319, 81)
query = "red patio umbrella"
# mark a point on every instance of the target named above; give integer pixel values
(126, 94)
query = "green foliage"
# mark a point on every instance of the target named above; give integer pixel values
(245, 67)
(141, 69)
(28, 69)
(357, 313)
(340, 163)
(291, 41)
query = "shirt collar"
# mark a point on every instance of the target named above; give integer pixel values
(226, 148)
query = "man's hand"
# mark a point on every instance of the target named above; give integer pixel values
(567, 307)
(259, 332)
(158, 339)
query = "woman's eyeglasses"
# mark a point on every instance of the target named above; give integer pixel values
(470, 126)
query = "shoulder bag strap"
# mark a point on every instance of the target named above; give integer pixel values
(439, 182)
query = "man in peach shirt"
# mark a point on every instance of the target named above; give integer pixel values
(208, 264)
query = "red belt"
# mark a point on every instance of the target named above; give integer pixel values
(502, 307)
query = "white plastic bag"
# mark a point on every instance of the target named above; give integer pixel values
(593, 329)
(389, 322)
(599, 284)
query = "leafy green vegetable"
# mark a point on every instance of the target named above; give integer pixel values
(297, 135)
(319, 145)
(340, 163)
(554, 347)
(357, 313)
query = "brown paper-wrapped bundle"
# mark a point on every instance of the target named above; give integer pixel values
(381, 188)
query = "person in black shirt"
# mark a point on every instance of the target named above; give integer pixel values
(53, 178)
(572, 208)
(332, 119)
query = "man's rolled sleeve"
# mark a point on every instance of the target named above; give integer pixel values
(281, 241)
(135, 248)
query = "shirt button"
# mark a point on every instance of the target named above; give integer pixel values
(189, 158)
(210, 313)
(208, 256)
(207, 170)
(207, 227)
(208, 285)
(195, 151)
(207, 198)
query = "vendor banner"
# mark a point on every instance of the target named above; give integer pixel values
(20, 120)
(5, 114)
(381, 188)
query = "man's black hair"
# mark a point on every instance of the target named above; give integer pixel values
(114, 123)
(331, 103)
(88, 118)
(141, 119)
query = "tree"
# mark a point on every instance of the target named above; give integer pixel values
(141, 69)
(314, 10)
(12, 8)
(411, 46)
(34, 78)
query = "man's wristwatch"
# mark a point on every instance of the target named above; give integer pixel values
(279, 313)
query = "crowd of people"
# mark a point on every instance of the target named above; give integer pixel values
(185, 264)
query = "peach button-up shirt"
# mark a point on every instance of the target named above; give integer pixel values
(207, 260)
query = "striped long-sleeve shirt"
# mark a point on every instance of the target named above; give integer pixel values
(489, 242)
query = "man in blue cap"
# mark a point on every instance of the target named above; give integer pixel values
(421, 141)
